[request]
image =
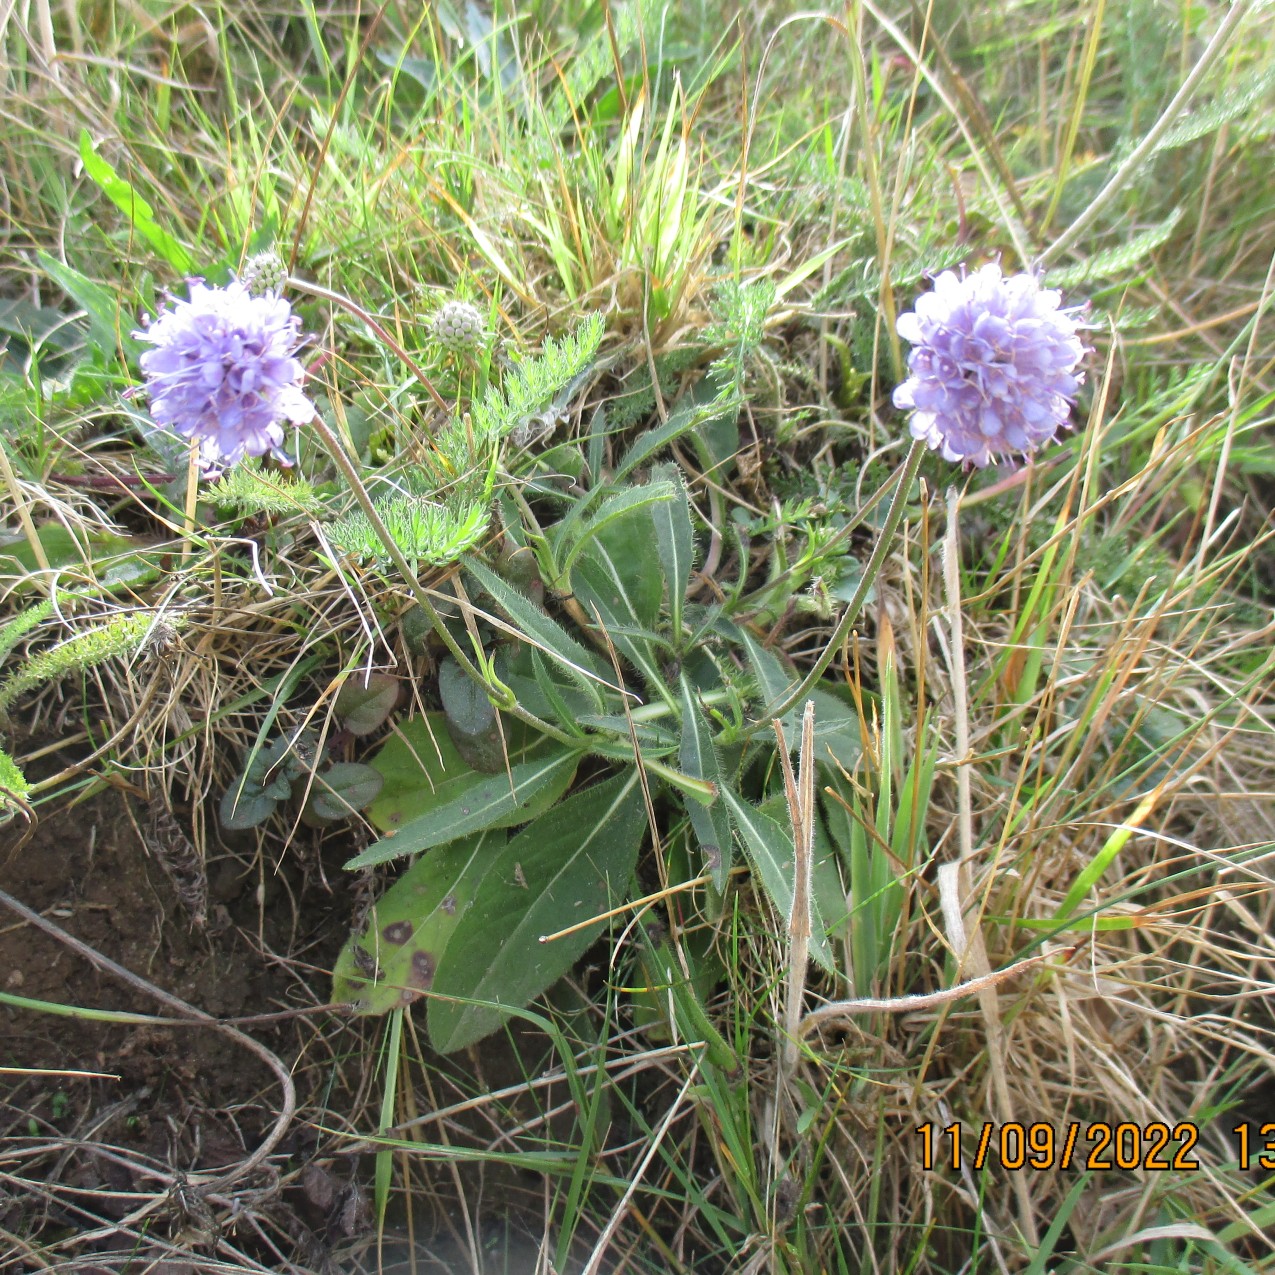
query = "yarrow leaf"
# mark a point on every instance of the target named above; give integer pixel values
(121, 635)
(248, 490)
(535, 383)
(424, 531)
(1118, 262)
(13, 786)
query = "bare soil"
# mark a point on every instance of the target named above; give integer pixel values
(87, 869)
(78, 1153)
(102, 1173)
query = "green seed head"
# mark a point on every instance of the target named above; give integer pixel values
(263, 272)
(458, 327)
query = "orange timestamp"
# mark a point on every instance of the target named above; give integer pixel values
(1100, 1146)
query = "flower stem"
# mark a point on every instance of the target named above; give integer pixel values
(885, 540)
(192, 499)
(351, 307)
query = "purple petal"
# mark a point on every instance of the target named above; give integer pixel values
(994, 364)
(222, 371)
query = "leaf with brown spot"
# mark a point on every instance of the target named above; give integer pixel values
(575, 862)
(410, 925)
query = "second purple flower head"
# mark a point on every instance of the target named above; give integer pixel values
(993, 366)
(223, 371)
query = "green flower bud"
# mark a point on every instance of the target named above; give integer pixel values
(263, 272)
(458, 327)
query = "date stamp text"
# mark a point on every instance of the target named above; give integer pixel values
(1098, 1146)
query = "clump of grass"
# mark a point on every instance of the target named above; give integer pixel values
(1039, 828)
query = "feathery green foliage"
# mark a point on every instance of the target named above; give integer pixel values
(247, 489)
(13, 787)
(1238, 102)
(121, 635)
(537, 388)
(22, 624)
(1121, 262)
(428, 532)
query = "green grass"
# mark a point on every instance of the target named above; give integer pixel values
(1050, 718)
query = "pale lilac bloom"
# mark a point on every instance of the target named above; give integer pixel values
(223, 371)
(994, 365)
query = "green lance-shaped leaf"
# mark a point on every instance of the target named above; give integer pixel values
(711, 824)
(836, 723)
(392, 962)
(768, 844)
(676, 543)
(827, 879)
(540, 686)
(116, 559)
(618, 580)
(707, 407)
(140, 214)
(570, 865)
(38, 327)
(653, 738)
(543, 631)
(665, 993)
(433, 796)
(107, 327)
(572, 537)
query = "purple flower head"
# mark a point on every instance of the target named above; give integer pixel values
(223, 373)
(993, 365)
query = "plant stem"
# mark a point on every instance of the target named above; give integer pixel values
(885, 540)
(351, 307)
(1120, 178)
(24, 513)
(192, 499)
(800, 796)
